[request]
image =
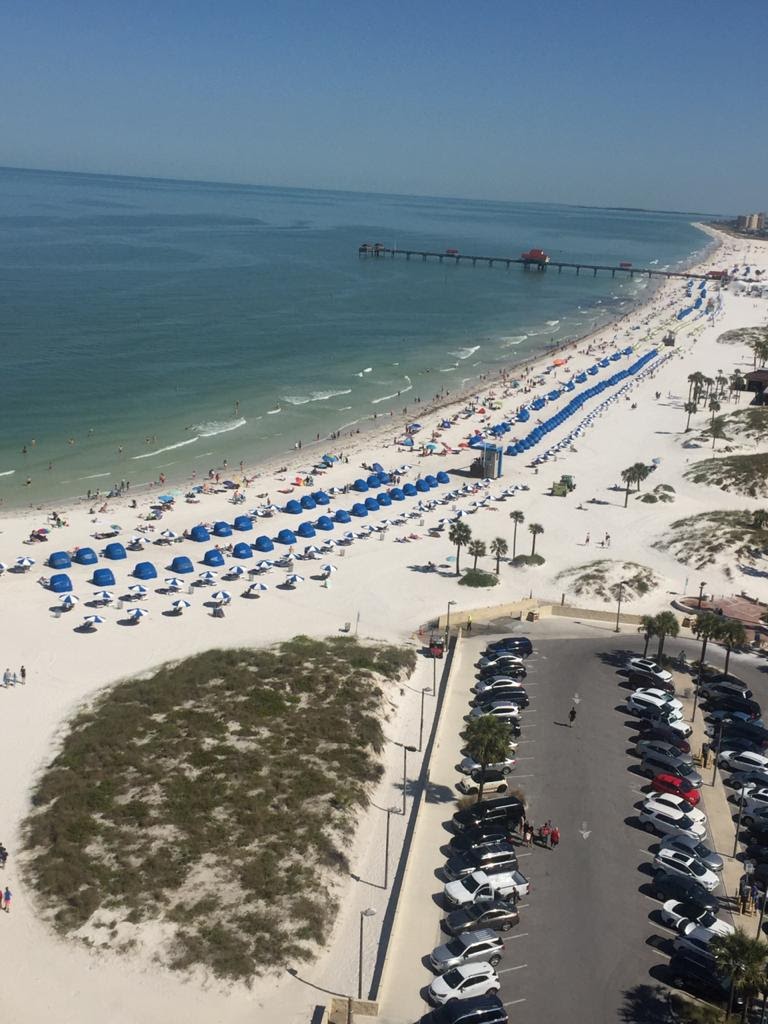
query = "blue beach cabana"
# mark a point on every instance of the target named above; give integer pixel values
(293, 507)
(213, 558)
(396, 494)
(372, 505)
(341, 516)
(103, 578)
(443, 478)
(181, 564)
(264, 544)
(199, 534)
(410, 491)
(114, 551)
(59, 560)
(243, 523)
(359, 510)
(324, 523)
(384, 499)
(60, 583)
(86, 556)
(286, 537)
(306, 530)
(145, 571)
(308, 503)
(222, 529)
(321, 498)
(242, 550)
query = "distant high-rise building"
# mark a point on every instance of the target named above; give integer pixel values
(741, 222)
(752, 221)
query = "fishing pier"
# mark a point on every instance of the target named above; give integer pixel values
(534, 260)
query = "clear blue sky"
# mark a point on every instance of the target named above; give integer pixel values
(658, 104)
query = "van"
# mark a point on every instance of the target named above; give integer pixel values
(507, 810)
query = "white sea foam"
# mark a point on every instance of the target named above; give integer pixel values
(448, 369)
(402, 391)
(464, 353)
(273, 412)
(368, 369)
(168, 448)
(553, 323)
(215, 427)
(94, 476)
(316, 396)
(513, 340)
(8, 472)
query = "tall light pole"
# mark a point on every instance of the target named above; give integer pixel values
(405, 770)
(448, 622)
(424, 690)
(363, 914)
(434, 675)
(618, 609)
(701, 592)
(390, 812)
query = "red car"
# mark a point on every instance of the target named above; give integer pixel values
(677, 786)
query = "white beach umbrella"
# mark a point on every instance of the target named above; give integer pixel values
(169, 535)
(236, 572)
(311, 549)
(209, 576)
(256, 588)
(137, 590)
(221, 596)
(3, 567)
(25, 562)
(173, 583)
(264, 565)
(180, 604)
(105, 596)
(93, 620)
(137, 541)
(137, 614)
(69, 600)
(349, 536)
(328, 569)
(294, 579)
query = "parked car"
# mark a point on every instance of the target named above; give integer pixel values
(667, 886)
(485, 834)
(756, 852)
(756, 819)
(698, 977)
(496, 660)
(519, 645)
(714, 686)
(665, 783)
(501, 915)
(743, 732)
(462, 982)
(513, 694)
(493, 781)
(734, 702)
(474, 1010)
(697, 940)
(468, 765)
(507, 811)
(497, 683)
(729, 717)
(653, 745)
(646, 668)
(686, 844)
(668, 821)
(479, 886)
(508, 669)
(687, 864)
(745, 782)
(468, 947)
(678, 803)
(654, 703)
(685, 916)
(656, 764)
(756, 800)
(503, 709)
(740, 760)
(490, 859)
(676, 733)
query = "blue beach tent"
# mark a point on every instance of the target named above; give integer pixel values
(60, 583)
(396, 494)
(341, 516)
(199, 534)
(306, 530)
(181, 564)
(360, 485)
(145, 571)
(308, 503)
(242, 550)
(410, 491)
(372, 505)
(443, 478)
(430, 480)
(373, 480)
(86, 556)
(59, 560)
(286, 537)
(222, 529)
(115, 552)
(293, 507)
(243, 523)
(384, 499)
(213, 558)
(321, 498)
(264, 544)
(324, 523)
(359, 510)
(103, 578)
(422, 486)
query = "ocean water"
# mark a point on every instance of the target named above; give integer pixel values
(152, 326)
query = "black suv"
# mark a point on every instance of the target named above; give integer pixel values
(520, 646)
(507, 811)
(501, 857)
(477, 1010)
(698, 978)
(668, 886)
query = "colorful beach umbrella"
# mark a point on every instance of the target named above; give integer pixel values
(137, 614)
(209, 576)
(69, 600)
(173, 583)
(328, 569)
(169, 535)
(180, 604)
(257, 588)
(137, 590)
(93, 620)
(105, 596)
(236, 571)
(25, 562)
(222, 596)
(294, 579)
(264, 565)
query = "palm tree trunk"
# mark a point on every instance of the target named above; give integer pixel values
(498, 563)
(647, 641)
(703, 652)
(482, 783)
(660, 651)
(688, 424)
(474, 567)
(458, 552)
(626, 495)
(727, 659)
(514, 541)
(533, 546)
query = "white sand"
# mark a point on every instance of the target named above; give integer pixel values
(48, 979)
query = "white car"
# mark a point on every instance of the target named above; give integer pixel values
(675, 913)
(678, 803)
(503, 709)
(641, 702)
(685, 844)
(741, 760)
(468, 765)
(649, 669)
(478, 979)
(687, 865)
(497, 683)
(697, 939)
(666, 821)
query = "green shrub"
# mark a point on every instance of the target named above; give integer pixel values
(478, 578)
(523, 560)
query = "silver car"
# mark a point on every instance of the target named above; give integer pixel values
(469, 947)
(688, 844)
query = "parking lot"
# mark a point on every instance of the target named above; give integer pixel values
(590, 935)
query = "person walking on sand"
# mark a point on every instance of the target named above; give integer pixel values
(571, 716)
(7, 896)
(6, 678)
(554, 837)
(469, 623)
(586, 541)
(23, 674)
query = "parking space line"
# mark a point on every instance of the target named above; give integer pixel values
(525, 757)
(514, 1002)
(520, 935)
(523, 906)
(506, 970)
(524, 776)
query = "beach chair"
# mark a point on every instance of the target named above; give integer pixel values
(346, 627)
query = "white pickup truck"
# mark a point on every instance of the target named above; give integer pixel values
(480, 886)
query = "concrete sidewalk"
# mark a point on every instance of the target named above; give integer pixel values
(416, 930)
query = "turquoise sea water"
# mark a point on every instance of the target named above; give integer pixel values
(191, 322)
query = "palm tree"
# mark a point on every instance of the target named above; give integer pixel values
(516, 517)
(648, 628)
(534, 529)
(631, 476)
(666, 625)
(717, 429)
(460, 535)
(732, 634)
(694, 383)
(642, 472)
(708, 382)
(760, 519)
(742, 959)
(499, 548)
(690, 408)
(706, 627)
(476, 548)
(714, 406)
(487, 742)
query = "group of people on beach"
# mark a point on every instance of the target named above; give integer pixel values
(12, 679)
(546, 835)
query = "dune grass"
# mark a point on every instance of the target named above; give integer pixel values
(216, 797)
(744, 474)
(730, 537)
(601, 579)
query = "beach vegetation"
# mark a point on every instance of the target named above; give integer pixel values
(732, 634)
(478, 578)
(476, 549)
(740, 336)
(603, 578)
(535, 530)
(706, 626)
(499, 549)
(743, 959)
(521, 561)
(648, 628)
(690, 408)
(460, 535)
(517, 517)
(487, 741)
(635, 474)
(744, 474)
(729, 536)
(666, 624)
(215, 801)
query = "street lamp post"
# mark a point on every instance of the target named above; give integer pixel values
(701, 592)
(386, 848)
(717, 750)
(738, 827)
(448, 622)
(424, 690)
(618, 609)
(404, 772)
(363, 914)
(434, 675)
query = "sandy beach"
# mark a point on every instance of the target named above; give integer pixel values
(382, 587)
